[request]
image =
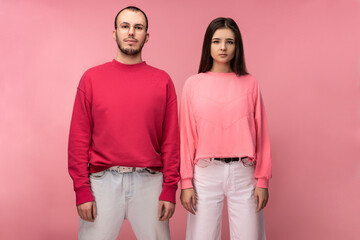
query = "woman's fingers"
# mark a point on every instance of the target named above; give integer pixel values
(261, 198)
(257, 201)
(189, 208)
(260, 204)
(188, 200)
(193, 201)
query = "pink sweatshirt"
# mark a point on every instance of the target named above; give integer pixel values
(124, 115)
(223, 115)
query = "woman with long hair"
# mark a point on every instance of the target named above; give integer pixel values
(225, 148)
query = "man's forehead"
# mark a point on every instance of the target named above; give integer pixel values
(131, 17)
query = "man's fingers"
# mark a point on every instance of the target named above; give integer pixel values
(166, 214)
(87, 211)
(160, 209)
(89, 214)
(172, 213)
(172, 210)
(83, 213)
(167, 210)
(94, 212)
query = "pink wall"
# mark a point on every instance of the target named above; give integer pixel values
(305, 54)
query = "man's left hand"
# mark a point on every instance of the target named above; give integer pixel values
(166, 210)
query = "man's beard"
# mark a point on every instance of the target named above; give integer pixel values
(129, 51)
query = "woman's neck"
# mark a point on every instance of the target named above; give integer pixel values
(221, 67)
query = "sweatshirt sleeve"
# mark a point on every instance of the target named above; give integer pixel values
(79, 144)
(170, 148)
(188, 136)
(263, 154)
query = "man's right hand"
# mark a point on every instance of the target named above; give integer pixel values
(188, 199)
(87, 211)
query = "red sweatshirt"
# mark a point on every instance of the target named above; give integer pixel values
(124, 115)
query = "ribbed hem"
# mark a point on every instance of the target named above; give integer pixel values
(262, 183)
(168, 194)
(186, 183)
(84, 195)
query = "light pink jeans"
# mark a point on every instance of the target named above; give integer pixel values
(212, 181)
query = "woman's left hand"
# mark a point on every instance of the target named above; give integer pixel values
(261, 198)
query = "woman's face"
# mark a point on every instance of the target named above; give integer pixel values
(223, 46)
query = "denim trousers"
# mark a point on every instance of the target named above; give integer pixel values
(213, 180)
(118, 196)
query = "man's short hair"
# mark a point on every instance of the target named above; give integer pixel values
(135, 9)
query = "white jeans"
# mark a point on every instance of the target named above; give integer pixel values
(212, 181)
(118, 196)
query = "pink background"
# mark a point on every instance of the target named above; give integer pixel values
(305, 54)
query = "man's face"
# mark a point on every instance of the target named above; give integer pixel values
(130, 34)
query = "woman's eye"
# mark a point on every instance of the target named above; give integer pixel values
(215, 41)
(230, 42)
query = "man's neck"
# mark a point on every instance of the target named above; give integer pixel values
(128, 59)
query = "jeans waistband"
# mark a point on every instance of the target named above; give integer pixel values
(121, 169)
(227, 160)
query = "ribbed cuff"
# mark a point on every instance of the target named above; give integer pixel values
(186, 183)
(262, 183)
(84, 195)
(168, 194)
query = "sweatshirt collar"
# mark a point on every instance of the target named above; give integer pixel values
(220, 74)
(128, 67)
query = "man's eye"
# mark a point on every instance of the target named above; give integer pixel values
(139, 28)
(124, 26)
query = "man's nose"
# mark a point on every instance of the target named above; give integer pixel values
(131, 31)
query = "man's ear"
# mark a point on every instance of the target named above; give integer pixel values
(114, 34)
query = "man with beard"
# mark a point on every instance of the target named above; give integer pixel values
(124, 141)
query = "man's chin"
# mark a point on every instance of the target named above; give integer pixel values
(130, 51)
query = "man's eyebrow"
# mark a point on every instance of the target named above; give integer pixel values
(137, 24)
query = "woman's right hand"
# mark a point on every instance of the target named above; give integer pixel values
(188, 199)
